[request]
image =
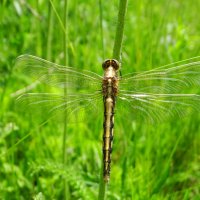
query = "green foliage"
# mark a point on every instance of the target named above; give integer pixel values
(156, 162)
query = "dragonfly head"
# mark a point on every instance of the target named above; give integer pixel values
(110, 62)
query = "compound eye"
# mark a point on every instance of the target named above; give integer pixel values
(106, 64)
(115, 64)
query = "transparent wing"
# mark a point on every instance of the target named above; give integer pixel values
(54, 89)
(167, 79)
(159, 107)
(43, 71)
(163, 92)
(49, 105)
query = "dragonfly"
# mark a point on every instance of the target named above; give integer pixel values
(155, 95)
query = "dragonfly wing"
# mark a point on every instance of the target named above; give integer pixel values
(54, 89)
(43, 71)
(167, 79)
(163, 92)
(159, 107)
(44, 106)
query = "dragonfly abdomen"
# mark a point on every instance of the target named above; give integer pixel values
(108, 135)
(109, 96)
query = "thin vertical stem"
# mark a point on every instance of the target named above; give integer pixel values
(65, 89)
(120, 29)
(65, 42)
(101, 28)
(116, 55)
(58, 17)
(50, 32)
(102, 186)
(65, 33)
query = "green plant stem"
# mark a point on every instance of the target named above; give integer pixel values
(65, 42)
(58, 17)
(65, 89)
(101, 28)
(65, 33)
(102, 186)
(120, 29)
(50, 32)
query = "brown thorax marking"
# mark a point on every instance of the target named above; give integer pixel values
(110, 80)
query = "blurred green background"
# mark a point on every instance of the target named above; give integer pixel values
(160, 161)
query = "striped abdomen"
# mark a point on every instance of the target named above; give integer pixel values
(109, 92)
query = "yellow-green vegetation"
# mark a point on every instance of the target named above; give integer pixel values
(157, 162)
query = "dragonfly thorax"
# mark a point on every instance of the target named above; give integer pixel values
(110, 80)
(110, 87)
